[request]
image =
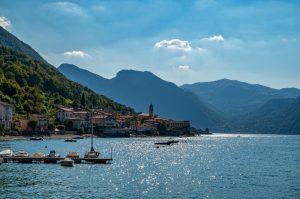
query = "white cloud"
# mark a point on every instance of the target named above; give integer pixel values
(215, 38)
(68, 8)
(99, 8)
(4, 22)
(175, 44)
(184, 67)
(75, 53)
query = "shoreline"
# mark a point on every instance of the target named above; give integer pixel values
(70, 136)
(66, 136)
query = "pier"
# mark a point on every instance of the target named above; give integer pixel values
(54, 160)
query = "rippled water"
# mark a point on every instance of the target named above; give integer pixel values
(218, 166)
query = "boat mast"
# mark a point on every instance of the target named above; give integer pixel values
(92, 137)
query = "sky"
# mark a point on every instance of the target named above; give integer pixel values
(183, 42)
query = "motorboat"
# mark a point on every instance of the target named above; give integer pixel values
(173, 141)
(6, 153)
(53, 154)
(78, 137)
(36, 138)
(21, 154)
(70, 140)
(167, 142)
(37, 155)
(73, 155)
(67, 162)
(51, 157)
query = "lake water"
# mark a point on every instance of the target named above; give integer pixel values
(217, 166)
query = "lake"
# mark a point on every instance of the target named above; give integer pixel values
(215, 166)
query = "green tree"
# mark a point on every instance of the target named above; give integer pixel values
(51, 127)
(33, 124)
(1, 130)
(83, 100)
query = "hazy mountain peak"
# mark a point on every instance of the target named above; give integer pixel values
(134, 73)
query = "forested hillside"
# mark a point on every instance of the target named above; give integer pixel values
(34, 86)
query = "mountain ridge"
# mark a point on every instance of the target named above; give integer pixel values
(138, 89)
(275, 116)
(233, 97)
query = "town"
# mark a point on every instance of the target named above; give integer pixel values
(105, 123)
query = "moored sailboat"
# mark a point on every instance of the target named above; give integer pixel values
(92, 153)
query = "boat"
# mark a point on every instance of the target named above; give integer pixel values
(53, 154)
(36, 138)
(21, 154)
(167, 142)
(6, 153)
(5, 146)
(70, 140)
(67, 162)
(92, 153)
(51, 157)
(173, 141)
(37, 155)
(73, 155)
(78, 137)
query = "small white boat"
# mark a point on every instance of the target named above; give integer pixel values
(67, 162)
(21, 154)
(5, 146)
(6, 153)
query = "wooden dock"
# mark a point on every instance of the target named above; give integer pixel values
(53, 160)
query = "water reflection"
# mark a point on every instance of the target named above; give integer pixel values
(210, 166)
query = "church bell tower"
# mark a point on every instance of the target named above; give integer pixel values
(151, 111)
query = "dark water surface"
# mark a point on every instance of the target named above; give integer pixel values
(218, 166)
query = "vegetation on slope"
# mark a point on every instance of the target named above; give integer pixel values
(34, 86)
(11, 41)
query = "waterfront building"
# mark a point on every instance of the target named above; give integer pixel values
(6, 115)
(178, 125)
(64, 113)
(42, 120)
(104, 121)
(77, 123)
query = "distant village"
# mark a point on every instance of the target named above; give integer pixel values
(103, 123)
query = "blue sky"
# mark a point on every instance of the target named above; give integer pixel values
(180, 41)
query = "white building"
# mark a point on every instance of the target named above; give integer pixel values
(6, 115)
(105, 121)
(64, 113)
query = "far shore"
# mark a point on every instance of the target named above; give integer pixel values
(54, 136)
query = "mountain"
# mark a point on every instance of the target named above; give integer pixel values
(34, 86)
(9, 40)
(231, 97)
(276, 116)
(139, 89)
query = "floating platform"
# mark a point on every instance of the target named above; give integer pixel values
(53, 160)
